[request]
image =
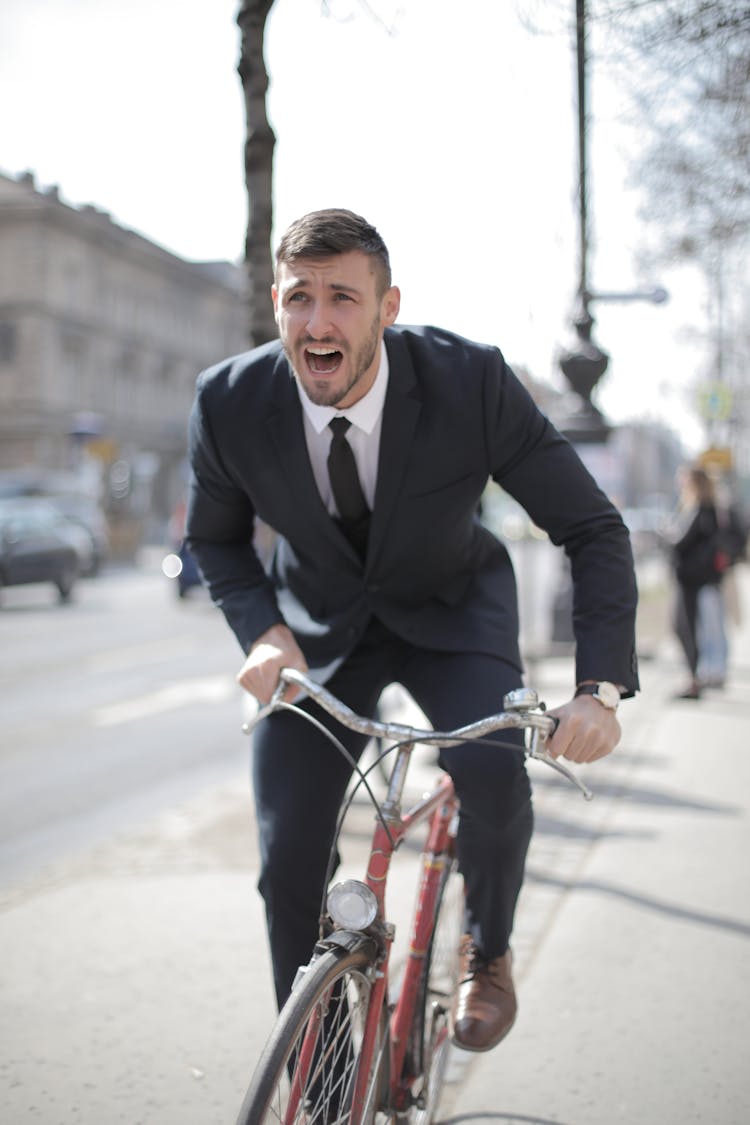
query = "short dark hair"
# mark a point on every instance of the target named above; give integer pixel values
(321, 234)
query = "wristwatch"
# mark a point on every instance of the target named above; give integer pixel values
(605, 693)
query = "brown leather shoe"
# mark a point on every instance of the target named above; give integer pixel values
(485, 1005)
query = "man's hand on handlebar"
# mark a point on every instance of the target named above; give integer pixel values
(587, 731)
(275, 649)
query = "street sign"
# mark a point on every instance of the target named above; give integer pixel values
(715, 402)
(719, 459)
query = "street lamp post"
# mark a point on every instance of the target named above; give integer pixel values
(585, 362)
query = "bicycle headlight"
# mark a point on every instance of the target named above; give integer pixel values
(352, 905)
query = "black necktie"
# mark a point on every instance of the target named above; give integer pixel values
(347, 491)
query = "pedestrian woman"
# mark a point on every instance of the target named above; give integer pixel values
(698, 562)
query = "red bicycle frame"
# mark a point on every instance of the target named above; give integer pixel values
(440, 805)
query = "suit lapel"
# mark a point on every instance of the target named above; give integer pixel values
(400, 415)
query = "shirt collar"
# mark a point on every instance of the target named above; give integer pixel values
(364, 413)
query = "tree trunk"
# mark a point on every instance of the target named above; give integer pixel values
(259, 146)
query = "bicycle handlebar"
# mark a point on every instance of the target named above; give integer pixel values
(523, 712)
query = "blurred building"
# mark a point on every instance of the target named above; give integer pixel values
(637, 464)
(102, 335)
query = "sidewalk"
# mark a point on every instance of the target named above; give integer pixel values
(135, 981)
(635, 1001)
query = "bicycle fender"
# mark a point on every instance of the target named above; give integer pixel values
(350, 940)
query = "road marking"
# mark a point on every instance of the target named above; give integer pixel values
(208, 689)
(132, 656)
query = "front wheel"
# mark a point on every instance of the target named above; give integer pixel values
(308, 1069)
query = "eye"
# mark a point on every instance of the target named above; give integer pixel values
(343, 297)
(296, 297)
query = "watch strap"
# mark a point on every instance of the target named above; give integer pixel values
(604, 692)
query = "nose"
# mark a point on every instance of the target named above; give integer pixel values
(318, 320)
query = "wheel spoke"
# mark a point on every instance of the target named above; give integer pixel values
(309, 1069)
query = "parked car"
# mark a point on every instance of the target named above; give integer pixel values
(70, 530)
(64, 493)
(35, 547)
(85, 514)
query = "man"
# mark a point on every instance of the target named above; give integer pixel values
(392, 577)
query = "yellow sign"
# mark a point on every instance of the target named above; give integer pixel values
(718, 459)
(104, 449)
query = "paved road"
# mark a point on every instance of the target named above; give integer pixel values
(113, 708)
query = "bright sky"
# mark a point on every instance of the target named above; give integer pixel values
(455, 136)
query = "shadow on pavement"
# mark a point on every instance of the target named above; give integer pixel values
(560, 828)
(508, 1118)
(672, 910)
(651, 798)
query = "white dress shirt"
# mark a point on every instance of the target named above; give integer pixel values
(363, 435)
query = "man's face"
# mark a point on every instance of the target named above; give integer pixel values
(331, 323)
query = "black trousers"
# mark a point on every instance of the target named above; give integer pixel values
(300, 779)
(686, 623)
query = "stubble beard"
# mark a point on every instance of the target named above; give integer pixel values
(320, 392)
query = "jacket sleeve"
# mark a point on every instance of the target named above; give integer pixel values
(219, 531)
(536, 465)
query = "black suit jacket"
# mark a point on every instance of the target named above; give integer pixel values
(454, 416)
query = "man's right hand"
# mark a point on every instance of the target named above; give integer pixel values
(275, 649)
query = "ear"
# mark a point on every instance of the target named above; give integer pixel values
(390, 305)
(275, 299)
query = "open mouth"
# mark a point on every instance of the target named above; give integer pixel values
(323, 361)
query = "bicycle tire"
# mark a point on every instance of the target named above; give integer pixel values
(336, 1030)
(430, 1040)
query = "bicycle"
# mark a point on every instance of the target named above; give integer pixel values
(342, 1051)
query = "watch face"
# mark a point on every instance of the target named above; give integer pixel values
(608, 694)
